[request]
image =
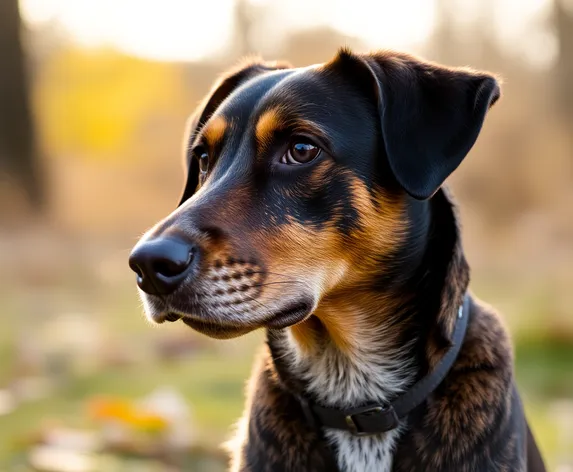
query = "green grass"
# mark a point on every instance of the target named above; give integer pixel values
(544, 367)
(212, 380)
(212, 385)
(544, 373)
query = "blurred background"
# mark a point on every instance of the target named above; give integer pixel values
(93, 99)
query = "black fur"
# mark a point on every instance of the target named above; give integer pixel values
(391, 128)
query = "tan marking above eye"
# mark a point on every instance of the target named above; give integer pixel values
(269, 122)
(215, 130)
(280, 118)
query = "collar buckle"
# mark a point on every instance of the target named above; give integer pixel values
(381, 419)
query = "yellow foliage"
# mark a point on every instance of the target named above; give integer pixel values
(118, 410)
(98, 102)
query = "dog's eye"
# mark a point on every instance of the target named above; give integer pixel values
(203, 162)
(300, 152)
(202, 157)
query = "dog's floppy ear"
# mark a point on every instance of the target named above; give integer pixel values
(430, 115)
(221, 90)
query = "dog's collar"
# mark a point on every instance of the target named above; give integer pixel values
(377, 418)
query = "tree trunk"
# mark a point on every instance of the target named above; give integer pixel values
(443, 42)
(18, 154)
(243, 23)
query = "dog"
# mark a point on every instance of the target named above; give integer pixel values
(315, 208)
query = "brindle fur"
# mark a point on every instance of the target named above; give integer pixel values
(361, 253)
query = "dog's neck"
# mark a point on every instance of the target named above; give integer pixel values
(367, 345)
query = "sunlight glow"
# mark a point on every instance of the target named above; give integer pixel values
(522, 34)
(166, 30)
(195, 29)
(387, 23)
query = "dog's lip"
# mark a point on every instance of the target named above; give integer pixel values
(172, 317)
(291, 315)
(164, 316)
(214, 329)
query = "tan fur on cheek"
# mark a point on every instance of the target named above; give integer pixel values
(320, 174)
(382, 215)
(382, 226)
(346, 316)
(314, 255)
(300, 260)
(334, 265)
(307, 333)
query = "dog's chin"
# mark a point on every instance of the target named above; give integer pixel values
(292, 314)
(217, 330)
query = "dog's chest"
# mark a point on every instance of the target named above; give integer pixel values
(363, 454)
(342, 382)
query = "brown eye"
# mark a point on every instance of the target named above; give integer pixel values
(300, 152)
(204, 163)
(202, 158)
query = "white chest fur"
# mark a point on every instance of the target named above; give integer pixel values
(342, 381)
(364, 454)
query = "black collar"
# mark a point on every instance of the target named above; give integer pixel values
(377, 419)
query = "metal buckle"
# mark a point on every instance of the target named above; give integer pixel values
(388, 412)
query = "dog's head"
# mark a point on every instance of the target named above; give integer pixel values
(301, 182)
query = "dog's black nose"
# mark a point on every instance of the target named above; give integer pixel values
(161, 264)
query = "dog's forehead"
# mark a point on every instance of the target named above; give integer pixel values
(297, 88)
(314, 100)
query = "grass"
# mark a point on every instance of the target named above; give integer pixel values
(544, 367)
(213, 385)
(212, 380)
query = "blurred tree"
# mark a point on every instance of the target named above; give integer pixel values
(457, 41)
(443, 39)
(107, 106)
(563, 22)
(311, 46)
(243, 26)
(18, 153)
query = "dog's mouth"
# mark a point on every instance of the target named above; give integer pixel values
(215, 330)
(172, 317)
(290, 315)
